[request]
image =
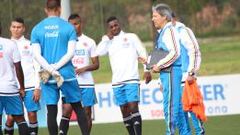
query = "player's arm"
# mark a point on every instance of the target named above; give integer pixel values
(38, 57)
(142, 57)
(94, 58)
(37, 91)
(18, 68)
(20, 77)
(68, 56)
(91, 67)
(170, 40)
(102, 48)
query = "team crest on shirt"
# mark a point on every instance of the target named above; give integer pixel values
(25, 51)
(1, 51)
(85, 44)
(125, 42)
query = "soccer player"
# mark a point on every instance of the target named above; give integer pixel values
(10, 95)
(53, 41)
(85, 51)
(191, 60)
(124, 51)
(171, 80)
(31, 82)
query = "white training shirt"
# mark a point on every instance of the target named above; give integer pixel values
(27, 62)
(123, 51)
(9, 55)
(85, 50)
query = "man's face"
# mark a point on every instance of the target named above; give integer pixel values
(158, 20)
(77, 24)
(17, 29)
(114, 27)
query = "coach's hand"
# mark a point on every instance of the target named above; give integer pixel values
(190, 79)
(147, 76)
(155, 69)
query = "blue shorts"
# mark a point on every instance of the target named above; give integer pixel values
(126, 93)
(29, 103)
(12, 105)
(69, 89)
(88, 96)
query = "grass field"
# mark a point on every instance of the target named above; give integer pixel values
(217, 125)
(219, 56)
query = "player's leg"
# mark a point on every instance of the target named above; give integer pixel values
(168, 107)
(132, 94)
(127, 119)
(120, 99)
(1, 133)
(88, 100)
(66, 115)
(73, 96)
(32, 107)
(183, 123)
(50, 95)
(14, 107)
(33, 123)
(9, 125)
(1, 111)
(197, 124)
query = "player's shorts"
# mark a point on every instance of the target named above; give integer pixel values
(88, 96)
(126, 93)
(69, 89)
(29, 103)
(12, 105)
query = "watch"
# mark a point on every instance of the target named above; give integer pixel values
(191, 73)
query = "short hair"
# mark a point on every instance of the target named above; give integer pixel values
(163, 10)
(111, 18)
(75, 16)
(53, 4)
(19, 20)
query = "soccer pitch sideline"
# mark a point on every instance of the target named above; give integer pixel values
(216, 125)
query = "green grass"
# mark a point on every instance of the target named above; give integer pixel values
(217, 125)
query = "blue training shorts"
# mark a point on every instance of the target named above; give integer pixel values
(69, 89)
(12, 105)
(29, 103)
(88, 96)
(126, 93)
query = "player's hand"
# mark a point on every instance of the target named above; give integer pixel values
(36, 95)
(142, 60)
(22, 92)
(80, 70)
(147, 76)
(57, 76)
(156, 69)
(44, 75)
(190, 79)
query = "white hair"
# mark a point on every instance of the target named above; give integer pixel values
(163, 10)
